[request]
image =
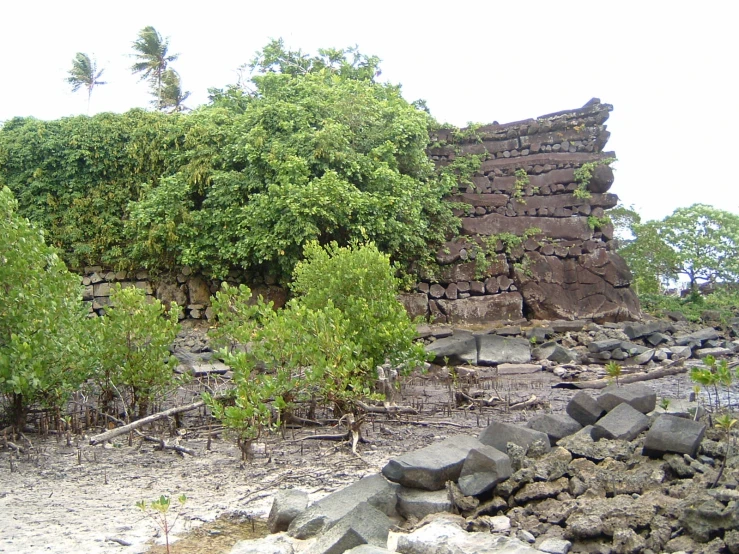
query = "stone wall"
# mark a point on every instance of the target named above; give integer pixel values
(191, 291)
(569, 270)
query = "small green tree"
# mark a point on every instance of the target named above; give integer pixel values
(153, 58)
(131, 357)
(41, 314)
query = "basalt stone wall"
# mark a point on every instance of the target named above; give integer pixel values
(568, 270)
(191, 291)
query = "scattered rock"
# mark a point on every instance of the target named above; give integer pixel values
(288, 503)
(622, 422)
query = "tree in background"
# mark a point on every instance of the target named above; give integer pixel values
(84, 73)
(41, 315)
(173, 98)
(152, 53)
(699, 242)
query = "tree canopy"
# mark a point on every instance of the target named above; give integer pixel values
(698, 242)
(322, 153)
(84, 73)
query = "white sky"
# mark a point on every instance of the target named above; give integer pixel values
(669, 68)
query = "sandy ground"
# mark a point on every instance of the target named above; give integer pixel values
(80, 498)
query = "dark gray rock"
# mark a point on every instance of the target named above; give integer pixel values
(288, 503)
(541, 334)
(362, 525)
(555, 546)
(633, 349)
(603, 345)
(622, 422)
(636, 331)
(656, 339)
(716, 352)
(704, 517)
(554, 352)
(460, 348)
(709, 333)
(643, 358)
(322, 515)
(556, 426)
(494, 349)
(483, 468)
(564, 326)
(582, 445)
(638, 396)
(584, 409)
(674, 434)
(431, 467)
(415, 503)
(499, 434)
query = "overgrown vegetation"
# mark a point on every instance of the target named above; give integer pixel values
(322, 349)
(308, 148)
(584, 173)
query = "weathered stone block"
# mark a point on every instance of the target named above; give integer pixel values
(674, 434)
(415, 303)
(479, 309)
(420, 503)
(483, 468)
(322, 515)
(638, 396)
(288, 503)
(460, 348)
(431, 467)
(494, 349)
(622, 422)
(556, 426)
(604, 345)
(101, 289)
(362, 525)
(584, 409)
(499, 434)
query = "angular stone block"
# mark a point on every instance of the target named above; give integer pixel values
(708, 333)
(604, 345)
(494, 349)
(362, 525)
(481, 309)
(638, 396)
(556, 426)
(484, 468)
(623, 422)
(419, 503)
(518, 369)
(322, 515)
(460, 348)
(431, 467)
(584, 409)
(368, 549)
(288, 503)
(499, 434)
(673, 434)
(555, 353)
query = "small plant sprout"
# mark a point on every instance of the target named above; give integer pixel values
(532, 340)
(664, 403)
(726, 423)
(613, 370)
(157, 510)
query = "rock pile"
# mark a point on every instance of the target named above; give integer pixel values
(612, 475)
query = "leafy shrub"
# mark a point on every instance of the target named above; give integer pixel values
(322, 348)
(130, 356)
(726, 302)
(41, 314)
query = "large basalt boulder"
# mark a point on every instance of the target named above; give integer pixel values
(674, 434)
(478, 309)
(415, 303)
(495, 349)
(484, 468)
(431, 467)
(622, 422)
(362, 525)
(593, 286)
(324, 514)
(499, 434)
(637, 395)
(458, 349)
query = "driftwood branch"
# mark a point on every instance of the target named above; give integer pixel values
(102, 437)
(387, 409)
(624, 379)
(164, 446)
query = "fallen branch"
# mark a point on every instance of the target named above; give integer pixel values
(387, 409)
(164, 446)
(102, 437)
(625, 379)
(533, 401)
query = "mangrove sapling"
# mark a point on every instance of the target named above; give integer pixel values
(726, 423)
(158, 510)
(613, 370)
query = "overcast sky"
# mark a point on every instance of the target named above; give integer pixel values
(669, 68)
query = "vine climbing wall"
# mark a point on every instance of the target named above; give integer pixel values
(535, 241)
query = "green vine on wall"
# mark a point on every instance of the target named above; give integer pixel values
(522, 181)
(584, 173)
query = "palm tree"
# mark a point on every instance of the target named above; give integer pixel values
(153, 58)
(172, 97)
(84, 73)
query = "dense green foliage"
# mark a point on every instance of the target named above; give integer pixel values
(699, 242)
(692, 306)
(311, 148)
(322, 348)
(41, 312)
(129, 354)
